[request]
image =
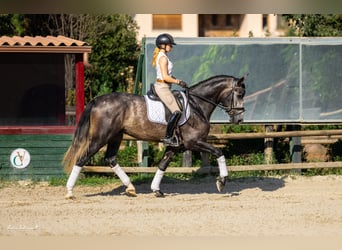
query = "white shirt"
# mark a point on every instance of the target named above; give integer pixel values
(169, 68)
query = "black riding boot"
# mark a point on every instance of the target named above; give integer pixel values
(172, 124)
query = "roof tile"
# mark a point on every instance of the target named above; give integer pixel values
(40, 41)
(42, 44)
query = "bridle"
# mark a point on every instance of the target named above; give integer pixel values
(231, 110)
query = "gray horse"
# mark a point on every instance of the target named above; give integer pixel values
(108, 117)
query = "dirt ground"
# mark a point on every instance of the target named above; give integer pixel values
(272, 206)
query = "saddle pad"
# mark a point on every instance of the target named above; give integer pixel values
(156, 111)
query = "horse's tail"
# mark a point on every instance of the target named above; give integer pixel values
(80, 142)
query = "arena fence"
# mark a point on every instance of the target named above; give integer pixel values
(222, 138)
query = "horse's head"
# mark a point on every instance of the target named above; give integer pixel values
(233, 100)
(223, 91)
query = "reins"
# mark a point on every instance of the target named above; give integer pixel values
(228, 109)
(208, 101)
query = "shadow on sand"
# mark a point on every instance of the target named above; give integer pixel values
(172, 186)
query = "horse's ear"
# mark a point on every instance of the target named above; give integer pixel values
(242, 79)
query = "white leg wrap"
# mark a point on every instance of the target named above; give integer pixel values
(157, 179)
(121, 174)
(73, 177)
(222, 166)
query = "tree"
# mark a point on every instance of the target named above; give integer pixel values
(314, 24)
(114, 47)
(7, 27)
(112, 37)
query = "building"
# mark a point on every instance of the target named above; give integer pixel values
(35, 130)
(209, 25)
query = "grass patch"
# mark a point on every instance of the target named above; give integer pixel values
(4, 183)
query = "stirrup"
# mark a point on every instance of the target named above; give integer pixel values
(172, 141)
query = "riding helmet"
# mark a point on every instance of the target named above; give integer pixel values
(164, 39)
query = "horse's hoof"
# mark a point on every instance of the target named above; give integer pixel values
(158, 194)
(70, 196)
(130, 192)
(220, 183)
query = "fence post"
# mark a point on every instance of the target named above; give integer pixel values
(268, 142)
(296, 147)
(205, 159)
(187, 159)
(142, 148)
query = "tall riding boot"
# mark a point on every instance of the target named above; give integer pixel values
(172, 124)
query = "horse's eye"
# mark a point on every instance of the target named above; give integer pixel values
(240, 93)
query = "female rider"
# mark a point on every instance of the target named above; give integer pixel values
(163, 65)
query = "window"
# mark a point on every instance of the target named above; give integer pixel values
(214, 21)
(32, 89)
(228, 20)
(265, 22)
(167, 21)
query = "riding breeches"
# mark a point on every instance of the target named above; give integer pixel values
(164, 92)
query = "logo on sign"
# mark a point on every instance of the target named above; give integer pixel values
(20, 158)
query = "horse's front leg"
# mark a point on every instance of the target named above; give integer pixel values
(221, 161)
(162, 166)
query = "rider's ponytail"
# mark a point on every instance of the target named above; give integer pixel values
(154, 58)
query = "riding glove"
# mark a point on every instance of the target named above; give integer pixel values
(183, 84)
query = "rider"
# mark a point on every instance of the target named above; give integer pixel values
(160, 60)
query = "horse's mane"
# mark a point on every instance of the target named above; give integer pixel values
(210, 79)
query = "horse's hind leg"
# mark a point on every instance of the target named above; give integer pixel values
(76, 170)
(110, 158)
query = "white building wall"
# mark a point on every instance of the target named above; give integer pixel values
(189, 26)
(252, 23)
(272, 23)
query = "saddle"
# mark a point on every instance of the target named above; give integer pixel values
(158, 112)
(152, 94)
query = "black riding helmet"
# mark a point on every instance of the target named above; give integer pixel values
(164, 39)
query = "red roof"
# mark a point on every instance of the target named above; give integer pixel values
(48, 44)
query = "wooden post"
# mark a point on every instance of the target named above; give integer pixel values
(296, 148)
(187, 159)
(79, 86)
(143, 153)
(141, 68)
(268, 151)
(205, 159)
(140, 152)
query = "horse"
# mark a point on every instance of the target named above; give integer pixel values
(108, 117)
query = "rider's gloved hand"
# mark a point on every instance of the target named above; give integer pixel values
(183, 84)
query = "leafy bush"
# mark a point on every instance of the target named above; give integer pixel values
(241, 128)
(126, 157)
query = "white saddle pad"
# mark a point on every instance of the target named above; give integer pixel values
(156, 111)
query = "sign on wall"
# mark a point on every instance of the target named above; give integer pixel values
(20, 158)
